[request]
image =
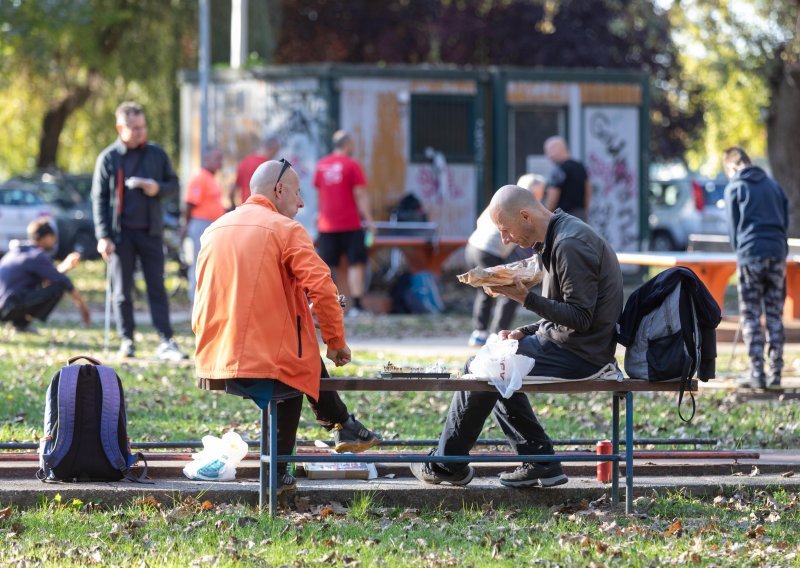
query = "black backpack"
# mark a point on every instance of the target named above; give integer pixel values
(85, 427)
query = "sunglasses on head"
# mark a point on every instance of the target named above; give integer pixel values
(285, 165)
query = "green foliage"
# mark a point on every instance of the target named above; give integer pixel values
(79, 60)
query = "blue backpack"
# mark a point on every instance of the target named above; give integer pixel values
(85, 427)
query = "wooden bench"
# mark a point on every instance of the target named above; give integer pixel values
(618, 389)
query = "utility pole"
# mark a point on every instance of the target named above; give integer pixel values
(239, 38)
(204, 65)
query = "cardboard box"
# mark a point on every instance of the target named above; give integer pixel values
(342, 470)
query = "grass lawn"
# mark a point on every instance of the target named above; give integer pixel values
(164, 404)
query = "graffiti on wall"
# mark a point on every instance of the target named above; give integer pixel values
(611, 134)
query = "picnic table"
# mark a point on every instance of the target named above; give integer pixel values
(420, 243)
(619, 390)
(715, 270)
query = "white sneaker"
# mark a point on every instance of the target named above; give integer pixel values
(478, 338)
(168, 351)
(355, 312)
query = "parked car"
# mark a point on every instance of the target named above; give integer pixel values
(680, 207)
(18, 207)
(68, 196)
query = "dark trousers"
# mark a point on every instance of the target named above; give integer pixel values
(133, 244)
(328, 410)
(37, 303)
(489, 314)
(469, 410)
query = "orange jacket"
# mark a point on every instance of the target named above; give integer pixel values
(251, 316)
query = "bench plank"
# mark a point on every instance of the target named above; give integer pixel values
(451, 385)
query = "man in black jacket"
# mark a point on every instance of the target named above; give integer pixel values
(131, 178)
(758, 221)
(580, 305)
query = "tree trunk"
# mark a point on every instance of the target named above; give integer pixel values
(783, 141)
(56, 117)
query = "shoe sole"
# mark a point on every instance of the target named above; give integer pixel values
(457, 483)
(543, 482)
(355, 447)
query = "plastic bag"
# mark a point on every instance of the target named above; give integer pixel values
(218, 459)
(498, 362)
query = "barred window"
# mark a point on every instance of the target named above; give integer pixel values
(444, 123)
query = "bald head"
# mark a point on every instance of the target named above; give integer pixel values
(556, 149)
(519, 216)
(283, 190)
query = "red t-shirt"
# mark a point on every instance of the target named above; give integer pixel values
(245, 171)
(336, 178)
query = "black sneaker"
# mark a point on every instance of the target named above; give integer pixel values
(433, 474)
(535, 475)
(286, 484)
(127, 349)
(353, 436)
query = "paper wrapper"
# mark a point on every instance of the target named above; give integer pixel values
(529, 271)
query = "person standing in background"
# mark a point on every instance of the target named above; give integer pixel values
(131, 178)
(343, 214)
(203, 206)
(758, 221)
(240, 190)
(568, 187)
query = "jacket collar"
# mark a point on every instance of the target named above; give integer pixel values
(261, 200)
(549, 236)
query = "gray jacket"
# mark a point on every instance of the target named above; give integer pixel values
(582, 291)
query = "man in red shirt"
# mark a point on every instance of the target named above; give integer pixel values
(343, 213)
(240, 190)
(203, 206)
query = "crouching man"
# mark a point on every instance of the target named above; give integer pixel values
(30, 285)
(580, 305)
(256, 272)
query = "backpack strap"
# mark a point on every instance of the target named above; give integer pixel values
(112, 402)
(686, 378)
(67, 393)
(109, 426)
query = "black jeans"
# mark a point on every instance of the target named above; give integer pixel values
(329, 409)
(130, 245)
(469, 410)
(37, 302)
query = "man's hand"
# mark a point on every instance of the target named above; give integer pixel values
(513, 334)
(70, 262)
(339, 356)
(516, 291)
(149, 186)
(105, 247)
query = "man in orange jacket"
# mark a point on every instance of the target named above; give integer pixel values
(256, 272)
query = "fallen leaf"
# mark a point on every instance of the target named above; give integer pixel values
(756, 472)
(5, 513)
(243, 521)
(787, 474)
(206, 505)
(674, 529)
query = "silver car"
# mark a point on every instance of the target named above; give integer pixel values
(680, 207)
(18, 207)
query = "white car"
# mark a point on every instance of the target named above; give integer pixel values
(680, 207)
(18, 207)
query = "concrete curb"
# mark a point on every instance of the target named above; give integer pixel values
(388, 492)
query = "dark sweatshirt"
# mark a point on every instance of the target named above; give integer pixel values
(758, 216)
(24, 268)
(582, 290)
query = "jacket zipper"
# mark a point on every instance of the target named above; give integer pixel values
(299, 340)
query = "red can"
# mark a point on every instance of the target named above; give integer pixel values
(604, 468)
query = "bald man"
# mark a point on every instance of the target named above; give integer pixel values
(580, 305)
(256, 271)
(568, 187)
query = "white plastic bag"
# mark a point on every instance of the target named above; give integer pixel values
(218, 459)
(498, 362)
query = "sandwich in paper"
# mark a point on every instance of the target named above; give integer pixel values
(529, 271)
